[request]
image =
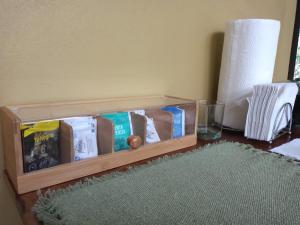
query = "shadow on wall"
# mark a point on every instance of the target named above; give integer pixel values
(215, 57)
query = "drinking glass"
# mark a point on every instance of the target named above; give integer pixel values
(210, 119)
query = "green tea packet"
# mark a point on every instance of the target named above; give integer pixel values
(122, 128)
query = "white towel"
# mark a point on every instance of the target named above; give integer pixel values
(287, 94)
(291, 149)
(270, 104)
(262, 100)
(265, 106)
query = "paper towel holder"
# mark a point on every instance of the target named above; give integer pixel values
(285, 112)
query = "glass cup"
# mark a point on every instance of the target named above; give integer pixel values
(210, 119)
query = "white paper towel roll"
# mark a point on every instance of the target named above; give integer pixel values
(248, 59)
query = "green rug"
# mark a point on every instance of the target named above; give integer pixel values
(226, 183)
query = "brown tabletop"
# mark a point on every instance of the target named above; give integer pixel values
(26, 201)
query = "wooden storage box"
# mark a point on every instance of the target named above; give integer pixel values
(13, 116)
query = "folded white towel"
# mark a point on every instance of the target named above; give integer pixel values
(265, 112)
(261, 104)
(271, 98)
(291, 149)
(287, 94)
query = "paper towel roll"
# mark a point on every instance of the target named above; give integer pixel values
(248, 59)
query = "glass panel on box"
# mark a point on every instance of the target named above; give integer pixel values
(122, 124)
(57, 133)
(131, 129)
(28, 113)
(184, 118)
(40, 143)
(83, 138)
(50, 143)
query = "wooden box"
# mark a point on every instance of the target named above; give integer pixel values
(13, 116)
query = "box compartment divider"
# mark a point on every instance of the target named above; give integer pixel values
(105, 136)
(163, 122)
(139, 126)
